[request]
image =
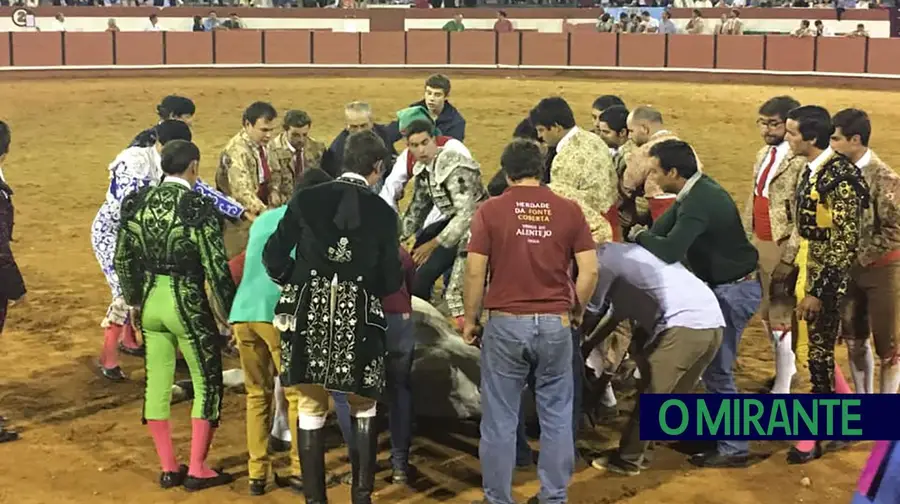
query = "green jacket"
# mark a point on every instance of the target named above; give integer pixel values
(257, 295)
(453, 26)
(171, 230)
(704, 227)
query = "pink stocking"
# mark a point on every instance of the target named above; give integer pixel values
(201, 437)
(109, 356)
(162, 438)
(841, 387)
(128, 337)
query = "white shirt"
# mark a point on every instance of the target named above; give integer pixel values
(177, 180)
(565, 139)
(152, 27)
(781, 152)
(819, 161)
(397, 179)
(658, 296)
(651, 23)
(862, 163)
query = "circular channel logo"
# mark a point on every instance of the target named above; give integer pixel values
(23, 18)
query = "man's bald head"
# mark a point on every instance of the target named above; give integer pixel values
(643, 122)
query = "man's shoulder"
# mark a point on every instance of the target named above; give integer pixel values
(194, 209)
(133, 202)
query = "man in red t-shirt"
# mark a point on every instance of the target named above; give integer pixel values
(527, 237)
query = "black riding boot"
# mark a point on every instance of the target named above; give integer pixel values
(363, 459)
(311, 444)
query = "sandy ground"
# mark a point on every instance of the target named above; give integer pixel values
(82, 436)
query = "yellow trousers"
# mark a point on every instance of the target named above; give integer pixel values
(259, 344)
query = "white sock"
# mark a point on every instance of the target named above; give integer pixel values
(595, 361)
(890, 377)
(784, 362)
(608, 398)
(368, 413)
(309, 422)
(637, 374)
(281, 428)
(862, 365)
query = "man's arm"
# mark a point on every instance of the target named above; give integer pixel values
(396, 180)
(243, 177)
(281, 179)
(389, 266)
(473, 285)
(843, 241)
(636, 171)
(465, 188)
(672, 247)
(12, 285)
(418, 209)
(277, 252)
(586, 281)
(214, 260)
(128, 260)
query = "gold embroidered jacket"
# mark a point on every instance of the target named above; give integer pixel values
(636, 178)
(621, 157)
(238, 173)
(283, 164)
(583, 171)
(881, 221)
(830, 206)
(782, 189)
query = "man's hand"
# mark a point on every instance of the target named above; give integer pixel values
(782, 271)
(134, 314)
(470, 332)
(809, 308)
(577, 316)
(424, 251)
(635, 231)
(22, 299)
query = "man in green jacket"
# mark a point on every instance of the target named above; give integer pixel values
(455, 24)
(259, 344)
(704, 228)
(170, 245)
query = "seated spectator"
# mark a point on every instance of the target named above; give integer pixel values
(212, 22)
(804, 30)
(503, 24)
(198, 24)
(860, 31)
(233, 22)
(821, 30)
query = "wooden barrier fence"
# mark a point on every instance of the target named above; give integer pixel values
(762, 54)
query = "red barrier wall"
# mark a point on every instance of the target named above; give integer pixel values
(436, 48)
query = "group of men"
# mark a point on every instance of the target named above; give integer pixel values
(298, 251)
(814, 250)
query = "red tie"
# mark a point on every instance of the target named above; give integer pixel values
(264, 161)
(263, 192)
(298, 162)
(764, 176)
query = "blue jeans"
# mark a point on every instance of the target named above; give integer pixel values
(738, 301)
(400, 343)
(523, 450)
(512, 346)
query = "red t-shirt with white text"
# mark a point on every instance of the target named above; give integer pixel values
(530, 236)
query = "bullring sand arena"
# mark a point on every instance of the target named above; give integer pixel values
(82, 436)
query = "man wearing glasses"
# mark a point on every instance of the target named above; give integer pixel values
(767, 220)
